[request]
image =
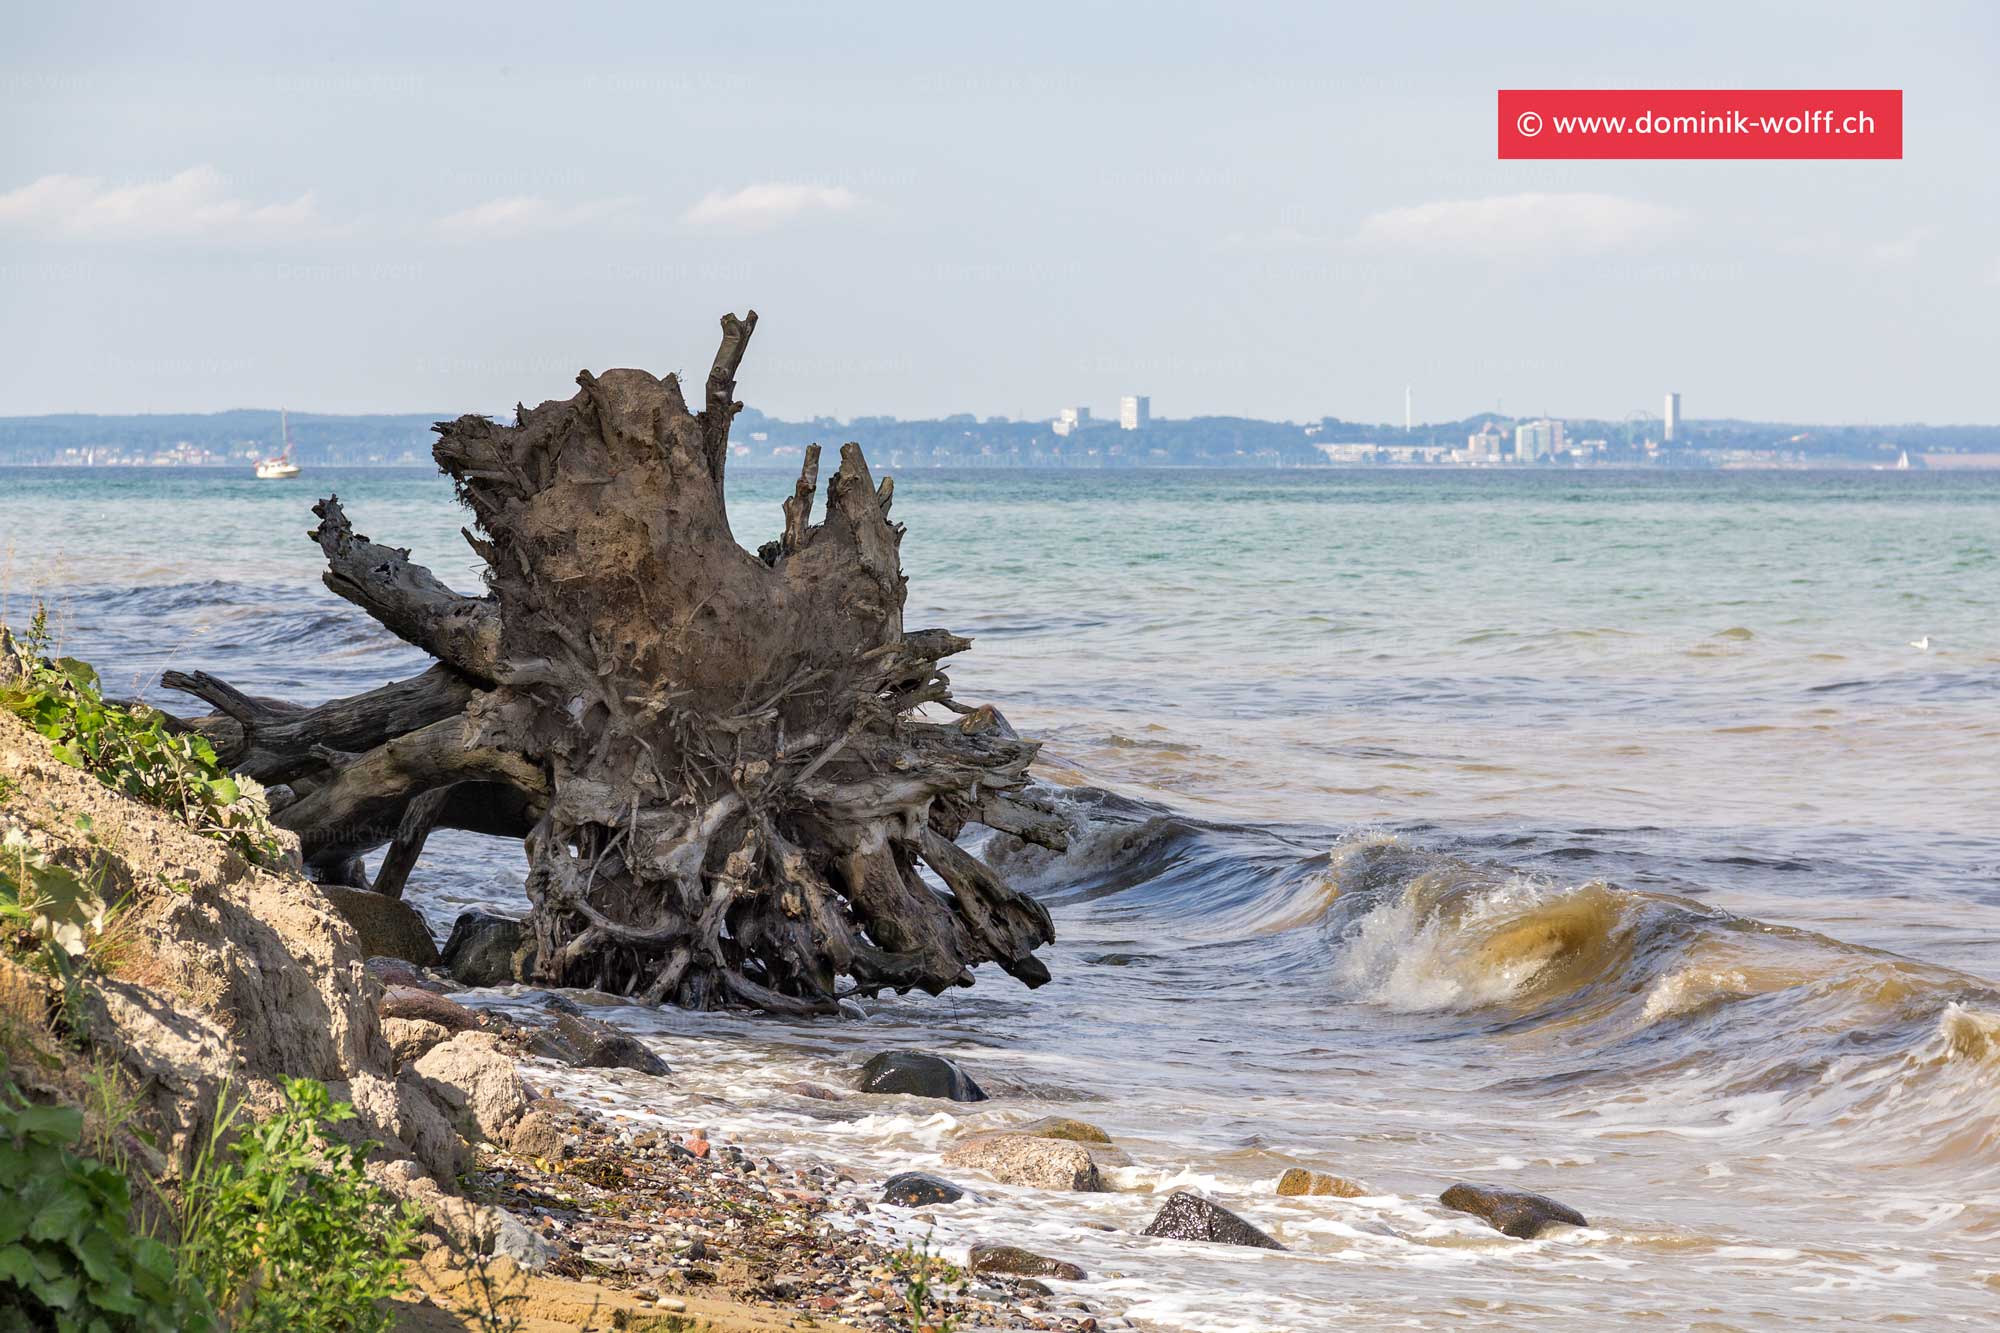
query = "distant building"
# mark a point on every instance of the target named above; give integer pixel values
(1537, 439)
(1671, 430)
(1134, 411)
(1070, 419)
(1486, 444)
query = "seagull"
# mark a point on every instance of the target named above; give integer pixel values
(1922, 645)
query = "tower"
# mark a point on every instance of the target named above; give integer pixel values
(1671, 430)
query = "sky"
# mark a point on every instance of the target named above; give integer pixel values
(1270, 210)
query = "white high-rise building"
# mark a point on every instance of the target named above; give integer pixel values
(1538, 439)
(1134, 411)
(1671, 428)
(1069, 419)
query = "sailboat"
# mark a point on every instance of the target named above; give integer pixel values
(280, 467)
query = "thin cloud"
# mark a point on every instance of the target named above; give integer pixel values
(526, 215)
(191, 205)
(763, 207)
(1520, 225)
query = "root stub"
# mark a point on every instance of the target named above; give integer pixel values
(717, 761)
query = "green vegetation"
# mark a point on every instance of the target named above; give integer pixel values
(69, 1259)
(130, 748)
(282, 1230)
(924, 1275)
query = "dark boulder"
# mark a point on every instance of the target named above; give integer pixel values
(585, 1043)
(918, 1074)
(1190, 1217)
(914, 1189)
(481, 947)
(1013, 1260)
(388, 927)
(1513, 1213)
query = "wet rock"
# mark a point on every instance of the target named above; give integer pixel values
(586, 1043)
(1298, 1180)
(409, 1038)
(1187, 1216)
(915, 1189)
(1022, 1263)
(474, 1078)
(1511, 1212)
(1020, 1159)
(388, 927)
(481, 947)
(408, 1002)
(817, 1091)
(1062, 1127)
(919, 1074)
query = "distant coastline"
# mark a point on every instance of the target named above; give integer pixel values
(237, 438)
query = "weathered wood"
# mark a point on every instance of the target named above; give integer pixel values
(715, 760)
(273, 741)
(420, 816)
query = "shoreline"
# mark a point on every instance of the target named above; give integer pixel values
(676, 1218)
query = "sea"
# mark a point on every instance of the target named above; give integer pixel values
(1630, 837)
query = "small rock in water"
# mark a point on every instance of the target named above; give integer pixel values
(1062, 1127)
(1018, 1159)
(1513, 1213)
(818, 1092)
(1024, 1263)
(586, 1043)
(1187, 1216)
(914, 1189)
(919, 1075)
(1297, 1180)
(480, 949)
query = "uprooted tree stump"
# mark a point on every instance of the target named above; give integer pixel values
(719, 762)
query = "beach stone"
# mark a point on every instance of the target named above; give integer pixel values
(511, 1238)
(539, 1134)
(1062, 1127)
(1298, 1180)
(474, 1078)
(1021, 1159)
(914, 1189)
(1187, 1216)
(409, 1038)
(480, 949)
(817, 1091)
(1022, 1263)
(919, 1074)
(1515, 1213)
(587, 1043)
(388, 927)
(409, 1002)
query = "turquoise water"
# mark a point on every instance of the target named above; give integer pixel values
(1598, 833)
